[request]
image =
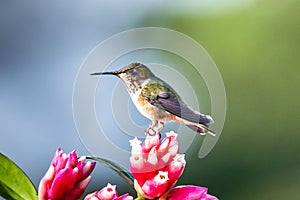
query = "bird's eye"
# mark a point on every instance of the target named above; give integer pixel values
(133, 71)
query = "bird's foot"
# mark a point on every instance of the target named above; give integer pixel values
(150, 131)
(153, 129)
(212, 133)
(159, 128)
(208, 131)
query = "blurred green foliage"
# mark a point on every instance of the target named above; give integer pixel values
(257, 52)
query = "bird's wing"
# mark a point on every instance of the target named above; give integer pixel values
(161, 95)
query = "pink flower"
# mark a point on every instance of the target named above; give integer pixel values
(107, 193)
(155, 165)
(66, 178)
(188, 192)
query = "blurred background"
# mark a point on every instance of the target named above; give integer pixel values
(255, 45)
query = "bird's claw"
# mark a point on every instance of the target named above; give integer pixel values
(150, 131)
(155, 129)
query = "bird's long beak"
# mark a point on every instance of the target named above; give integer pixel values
(104, 73)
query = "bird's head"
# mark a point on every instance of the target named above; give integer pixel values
(136, 72)
(133, 75)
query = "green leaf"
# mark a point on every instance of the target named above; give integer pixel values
(119, 169)
(14, 183)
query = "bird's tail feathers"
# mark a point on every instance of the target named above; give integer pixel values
(201, 129)
(205, 119)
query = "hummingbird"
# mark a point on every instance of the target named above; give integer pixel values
(158, 101)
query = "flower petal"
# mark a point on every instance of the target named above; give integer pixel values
(157, 186)
(78, 190)
(66, 178)
(189, 192)
(150, 142)
(152, 157)
(63, 183)
(108, 192)
(124, 197)
(136, 163)
(45, 183)
(164, 145)
(136, 146)
(88, 167)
